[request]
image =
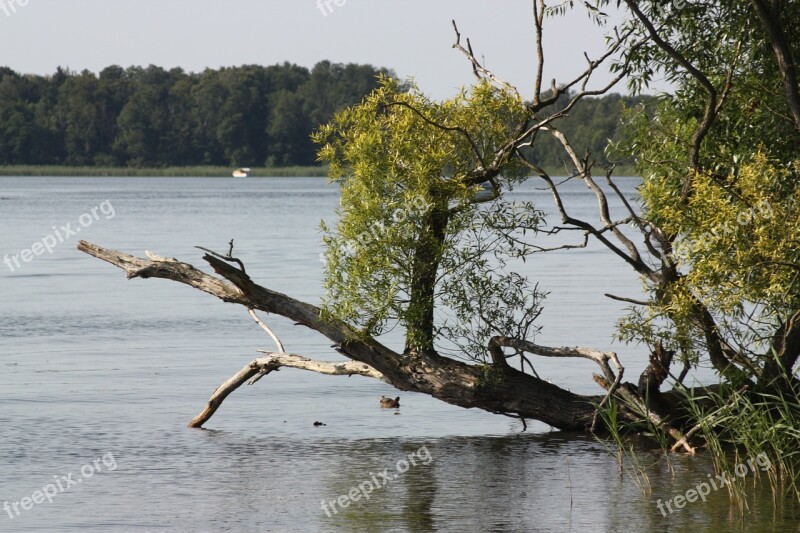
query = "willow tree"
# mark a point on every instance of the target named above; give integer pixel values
(426, 240)
(412, 234)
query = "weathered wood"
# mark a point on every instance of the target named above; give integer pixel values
(223, 391)
(499, 389)
(330, 368)
(269, 331)
(262, 366)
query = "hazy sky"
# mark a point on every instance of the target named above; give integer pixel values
(413, 37)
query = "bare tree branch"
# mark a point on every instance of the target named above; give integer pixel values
(478, 69)
(769, 14)
(266, 328)
(538, 20)
(262, 366)
(627, 300)
(710, 112)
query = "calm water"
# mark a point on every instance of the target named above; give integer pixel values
(97, 367)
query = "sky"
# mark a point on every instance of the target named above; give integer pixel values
(412, 37)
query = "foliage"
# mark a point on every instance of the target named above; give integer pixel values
(752, 424)
(409, 221)
(737, 245)
(242, 116)
(151, 117)
(733, 234)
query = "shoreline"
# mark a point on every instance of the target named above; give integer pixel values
(197, 172)
(155, 172)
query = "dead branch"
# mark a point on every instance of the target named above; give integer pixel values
(477, 68)
(635, 261)
(266, 328)
(601, 358)
(627, 300)
(658, 422)
(538, 20)
(228, 257)
(223, 391)
(609, 381)
(710, 113)
(262, 366)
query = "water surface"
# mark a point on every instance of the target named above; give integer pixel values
(93, 366)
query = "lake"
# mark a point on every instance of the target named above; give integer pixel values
(100, 376)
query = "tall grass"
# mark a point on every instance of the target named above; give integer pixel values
(738, 425)
(624, 442)
(733, 427)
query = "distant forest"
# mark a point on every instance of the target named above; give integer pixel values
(238, 116)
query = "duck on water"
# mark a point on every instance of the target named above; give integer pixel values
(389, 403)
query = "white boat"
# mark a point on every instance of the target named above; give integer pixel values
(241, 173)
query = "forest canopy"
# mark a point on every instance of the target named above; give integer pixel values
(235, 116)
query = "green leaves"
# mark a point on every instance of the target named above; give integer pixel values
(410, 235)
(731, 221)
(747, 248)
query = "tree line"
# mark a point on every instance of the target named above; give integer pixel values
(239, 116)
(248, 115)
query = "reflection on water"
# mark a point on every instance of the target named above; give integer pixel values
(92, 364)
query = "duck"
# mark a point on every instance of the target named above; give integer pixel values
(389, 403)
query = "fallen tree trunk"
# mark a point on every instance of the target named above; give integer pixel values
(497, 388)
